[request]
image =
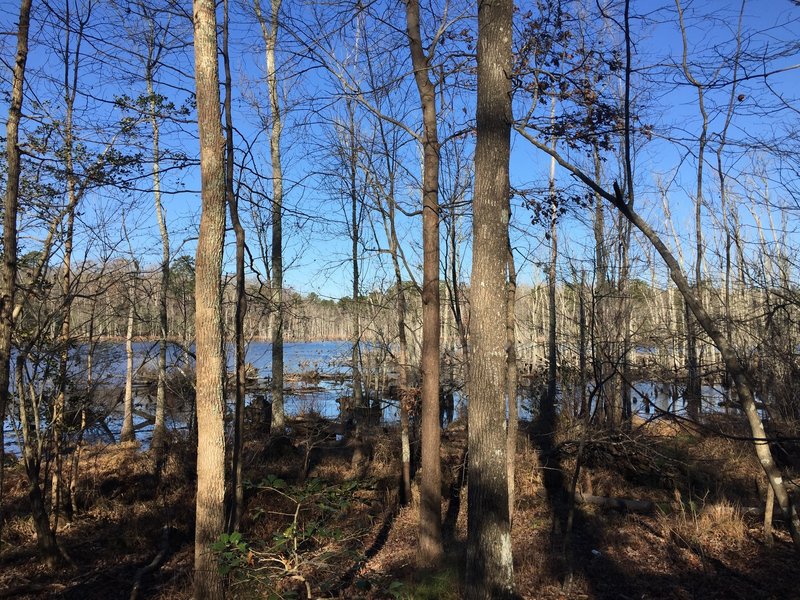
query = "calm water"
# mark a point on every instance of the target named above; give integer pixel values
(108, 372)
(327, 358)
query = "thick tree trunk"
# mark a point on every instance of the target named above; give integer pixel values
(8, 275)
(490, 572)
(430, 514)
(210, 507)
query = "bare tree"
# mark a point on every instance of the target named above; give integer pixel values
(733, 364)
(269, 31)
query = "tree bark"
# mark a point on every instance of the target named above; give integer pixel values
(355, 233)
(269, 32)
(489, 572)
(8, 276)
(31, 455)
(159, 426)
(548, 408)
(512, 378)
(270, 35)
(210, 509)
(240, 388)
(127, 434)
(406, 396)
(693, 393)
(430, 516)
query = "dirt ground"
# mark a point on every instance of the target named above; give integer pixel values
(322, 520)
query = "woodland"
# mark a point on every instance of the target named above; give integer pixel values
(558, 240)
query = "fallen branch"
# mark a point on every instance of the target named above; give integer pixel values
(624, 504)
(154, 565)
(32, 588)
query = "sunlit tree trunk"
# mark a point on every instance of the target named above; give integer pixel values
(724, 201)
(159, 426)
(406, 396)
(210, 508)
(430, 514)
(489, 572)
(127, 433)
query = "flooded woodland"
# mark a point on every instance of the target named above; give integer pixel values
(400, 300)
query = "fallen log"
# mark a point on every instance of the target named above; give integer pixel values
(144, 415)
(154, 565)
(623, 504)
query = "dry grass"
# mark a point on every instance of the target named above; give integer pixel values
(712, 528)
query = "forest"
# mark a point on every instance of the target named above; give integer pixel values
(400, 299)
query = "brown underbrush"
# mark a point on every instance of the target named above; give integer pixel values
(322, 519)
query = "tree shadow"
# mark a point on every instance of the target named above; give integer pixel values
(618, 555)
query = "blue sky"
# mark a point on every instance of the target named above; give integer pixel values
(317, 251)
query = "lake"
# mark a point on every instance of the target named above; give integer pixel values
(327, 358)
(108, 372)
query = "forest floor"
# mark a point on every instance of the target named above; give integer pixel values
(322, 519)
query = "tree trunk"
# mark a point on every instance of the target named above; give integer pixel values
(210, 509)
(31, 454)
(269, 32)
(240, 390)
(430, 514)
(73, 194)
(548, 407)
(489, 572)
(8, 276)
(127, 434)
(355, 354)
(693, 393)
(583, 408)
(512, 379)
(159, 426)
(406, 396)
